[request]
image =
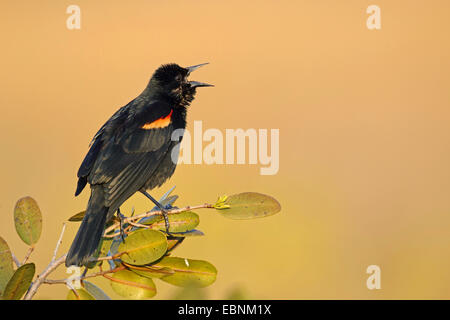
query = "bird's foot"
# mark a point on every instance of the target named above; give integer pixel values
(165, 215)
(163, 210)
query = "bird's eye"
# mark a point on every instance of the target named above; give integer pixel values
(178, 78)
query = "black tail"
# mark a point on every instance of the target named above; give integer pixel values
(91, 230)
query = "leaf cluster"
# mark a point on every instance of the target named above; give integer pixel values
(134, 252)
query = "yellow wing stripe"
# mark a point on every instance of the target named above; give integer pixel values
(159, 123)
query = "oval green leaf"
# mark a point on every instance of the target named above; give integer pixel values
(179, 222)
(28, 220)
(20, 282)
(6, 265)
(248, 205)
(82, 295)
(132, 286)
(190, 233)
(188, 272)
(143, 247)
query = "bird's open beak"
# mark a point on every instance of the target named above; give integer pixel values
(195, 84)
(193, 68)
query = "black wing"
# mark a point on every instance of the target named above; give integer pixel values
(127, 150)
(96, 145)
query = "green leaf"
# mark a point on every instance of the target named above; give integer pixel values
(95, 291)
(6, 264)
(28, 220)
(247, 205)
(179, 222)
(20, 282)
(188, 272)
(77, 217)
(82, 295)
(143, 247)
(132, 286)
(190, 233)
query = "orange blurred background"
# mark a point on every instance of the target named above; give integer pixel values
(364, 133)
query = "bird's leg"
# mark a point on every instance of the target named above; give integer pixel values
(121, 217)
(163, 210)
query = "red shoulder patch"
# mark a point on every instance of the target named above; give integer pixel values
(158, 123)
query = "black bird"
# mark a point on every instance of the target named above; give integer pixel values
(132, 152)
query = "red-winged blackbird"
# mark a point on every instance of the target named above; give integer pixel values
(132, 152)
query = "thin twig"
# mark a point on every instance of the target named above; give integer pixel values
(101, 273)
(52, 266)
(139, 225)
(16, 261)
(126, 231)
(59, 241)
(30, 250)
(40, 278)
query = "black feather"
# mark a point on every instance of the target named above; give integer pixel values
(90, 232)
